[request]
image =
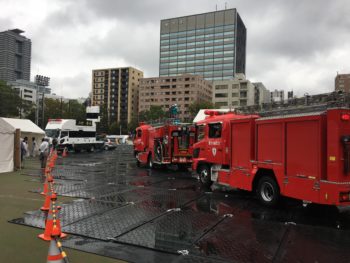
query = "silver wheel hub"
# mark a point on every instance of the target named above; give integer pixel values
(204, 174)
(267, 191)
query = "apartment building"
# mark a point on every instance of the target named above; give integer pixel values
(277, 96)
(117, 90)
(181, 90)
(233, 93)
(342, 82)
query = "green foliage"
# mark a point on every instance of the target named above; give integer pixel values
(114, 128)
(58, 109)
(133, 124)
(10, 101)
(154, 113)
(103, 125)
(196, 106)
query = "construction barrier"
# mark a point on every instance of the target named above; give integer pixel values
(52, 231)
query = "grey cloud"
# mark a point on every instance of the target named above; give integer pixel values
(5, 24)
(286, 39)
(73, 86)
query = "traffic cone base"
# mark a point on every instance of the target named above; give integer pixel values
(54, 255)
(45, 189)
(46, 206)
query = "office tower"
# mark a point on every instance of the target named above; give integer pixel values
(212, 45)
(117, 90)
(15, 55)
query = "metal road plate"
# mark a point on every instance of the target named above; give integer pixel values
(114, 222)
(176, 230)
(242, 239)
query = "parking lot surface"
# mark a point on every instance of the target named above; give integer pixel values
(141, 215)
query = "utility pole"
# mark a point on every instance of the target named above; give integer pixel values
(42, 82)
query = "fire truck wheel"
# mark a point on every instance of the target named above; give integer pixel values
(268, 191)
(204, 175)
(150, 161)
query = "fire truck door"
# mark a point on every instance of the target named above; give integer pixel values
(215, 149)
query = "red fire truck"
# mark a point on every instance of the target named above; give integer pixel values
(168, 143)
(303, 156)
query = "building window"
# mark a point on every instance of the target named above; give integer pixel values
(221, 95)
(19, 47)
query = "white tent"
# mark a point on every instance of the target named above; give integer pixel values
(7, 139)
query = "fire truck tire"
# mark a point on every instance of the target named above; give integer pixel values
(268, 191)
(150, 162)
(204, 175)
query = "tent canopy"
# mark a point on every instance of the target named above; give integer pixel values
(24, 125)
(5, 127)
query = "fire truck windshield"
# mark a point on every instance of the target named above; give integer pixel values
(200, 132)
(183, 139)
(215, 130)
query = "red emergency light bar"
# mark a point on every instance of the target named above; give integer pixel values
(345, 117)
(55, 120)
(211, 112)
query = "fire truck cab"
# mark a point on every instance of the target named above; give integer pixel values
(164, 144)
(302, 156)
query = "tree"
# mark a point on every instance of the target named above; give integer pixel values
(10, 101)
(114, 128)
(59, 109)
(103, 125)
(196, 106)
(154, 113)
(133, 124)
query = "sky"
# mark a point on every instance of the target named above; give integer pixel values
(291, 44)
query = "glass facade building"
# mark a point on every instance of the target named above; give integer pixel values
(212, 45)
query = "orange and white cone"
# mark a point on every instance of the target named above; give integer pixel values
(49, 196)
(52, 225)
(55, 255)
(64, 154)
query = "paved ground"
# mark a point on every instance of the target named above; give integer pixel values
(18, 243)
(141, 215)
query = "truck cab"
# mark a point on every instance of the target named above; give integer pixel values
(162, 144)
(213, 143)
(141, 138)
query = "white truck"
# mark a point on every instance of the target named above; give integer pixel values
(69, 134)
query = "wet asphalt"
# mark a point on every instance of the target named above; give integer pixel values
(164, 215)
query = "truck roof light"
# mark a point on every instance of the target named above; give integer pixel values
(211, 112)
(345, 116)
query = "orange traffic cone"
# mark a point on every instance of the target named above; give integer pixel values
(52, 225)
(55, 255)
(46, 188)
(49, 177)
(47, 170)
(51, 164)
(64, 154)
(50, 196)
